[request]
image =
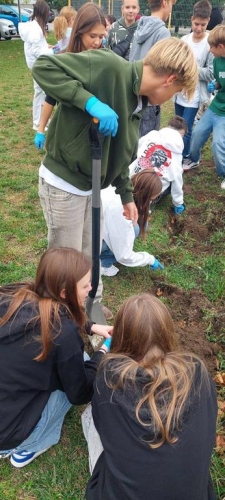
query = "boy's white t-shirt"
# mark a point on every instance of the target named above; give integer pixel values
(59, 183)
(198, 49)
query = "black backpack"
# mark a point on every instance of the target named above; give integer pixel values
(121, 48)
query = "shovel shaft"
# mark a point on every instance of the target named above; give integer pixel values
(96, 150)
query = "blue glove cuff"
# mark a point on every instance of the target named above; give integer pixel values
(92, 100)
(107, 342)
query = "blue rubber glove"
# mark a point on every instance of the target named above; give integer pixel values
(56, 49)
(39, 140)
(156, 265)
(211, 86)
(107, 343)
(108, 119)
(179, 210)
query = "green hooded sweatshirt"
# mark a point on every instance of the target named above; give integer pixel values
(72, 79)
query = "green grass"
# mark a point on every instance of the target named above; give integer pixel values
(191, 247)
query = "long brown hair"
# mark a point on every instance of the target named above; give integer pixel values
(59, 269)
(147, 186)
(144, 337)
(87, 17)
(41, 14)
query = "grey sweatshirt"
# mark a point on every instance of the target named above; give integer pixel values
(149, 31)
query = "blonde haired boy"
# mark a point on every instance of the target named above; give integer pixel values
(98, 83)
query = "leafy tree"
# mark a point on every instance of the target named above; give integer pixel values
(57, 4)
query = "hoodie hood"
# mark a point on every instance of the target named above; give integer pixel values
(162, 151)
(148, 27)
(166, 137)
(121, 23)
(149, 31)
(18, 326)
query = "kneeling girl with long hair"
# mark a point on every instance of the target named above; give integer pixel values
(155, 410)
(42, 367)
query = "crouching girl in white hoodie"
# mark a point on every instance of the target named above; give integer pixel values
(34, 35)
(119, 233)
(162, 150)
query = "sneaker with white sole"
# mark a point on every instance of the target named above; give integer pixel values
(188, 164)
(222, 185)
(23, 458)
(109, 271)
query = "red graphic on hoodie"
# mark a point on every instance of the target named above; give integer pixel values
(155, 156)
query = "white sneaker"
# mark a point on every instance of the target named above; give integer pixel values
(188, 164)
(109, 271)
(222, 185)
(23, 458)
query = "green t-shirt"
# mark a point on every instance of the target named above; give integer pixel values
(218, 103)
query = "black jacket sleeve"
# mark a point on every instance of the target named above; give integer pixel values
(76, 376)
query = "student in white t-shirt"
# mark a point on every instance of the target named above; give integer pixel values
(197, 40)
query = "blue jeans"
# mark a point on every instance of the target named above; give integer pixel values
(188, 114)
(210, 123)
(48, 429)
(107, 257)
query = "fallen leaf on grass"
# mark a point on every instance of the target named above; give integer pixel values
(220, 378)
(220, 444)
(221, 408)
(182, 323)
(217, 364)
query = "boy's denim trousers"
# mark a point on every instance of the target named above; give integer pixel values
(48, 429)
(210, 123)
(188, 114)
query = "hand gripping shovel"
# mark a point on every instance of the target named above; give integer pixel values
(93, 309)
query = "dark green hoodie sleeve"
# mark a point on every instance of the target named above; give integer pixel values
(64, 78)
(72, 79)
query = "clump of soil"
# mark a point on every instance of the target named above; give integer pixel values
(197, 228)
(188, 309)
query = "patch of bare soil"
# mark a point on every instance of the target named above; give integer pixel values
(198, 226)
(188, 309)
(191, 310)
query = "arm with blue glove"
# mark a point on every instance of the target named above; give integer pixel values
(108, 119)
(105, 347)
(178, 210)
(46, 113)
(156, 265)
(211, 86)
(39, 140)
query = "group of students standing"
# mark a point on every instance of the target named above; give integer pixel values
(153, 413)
